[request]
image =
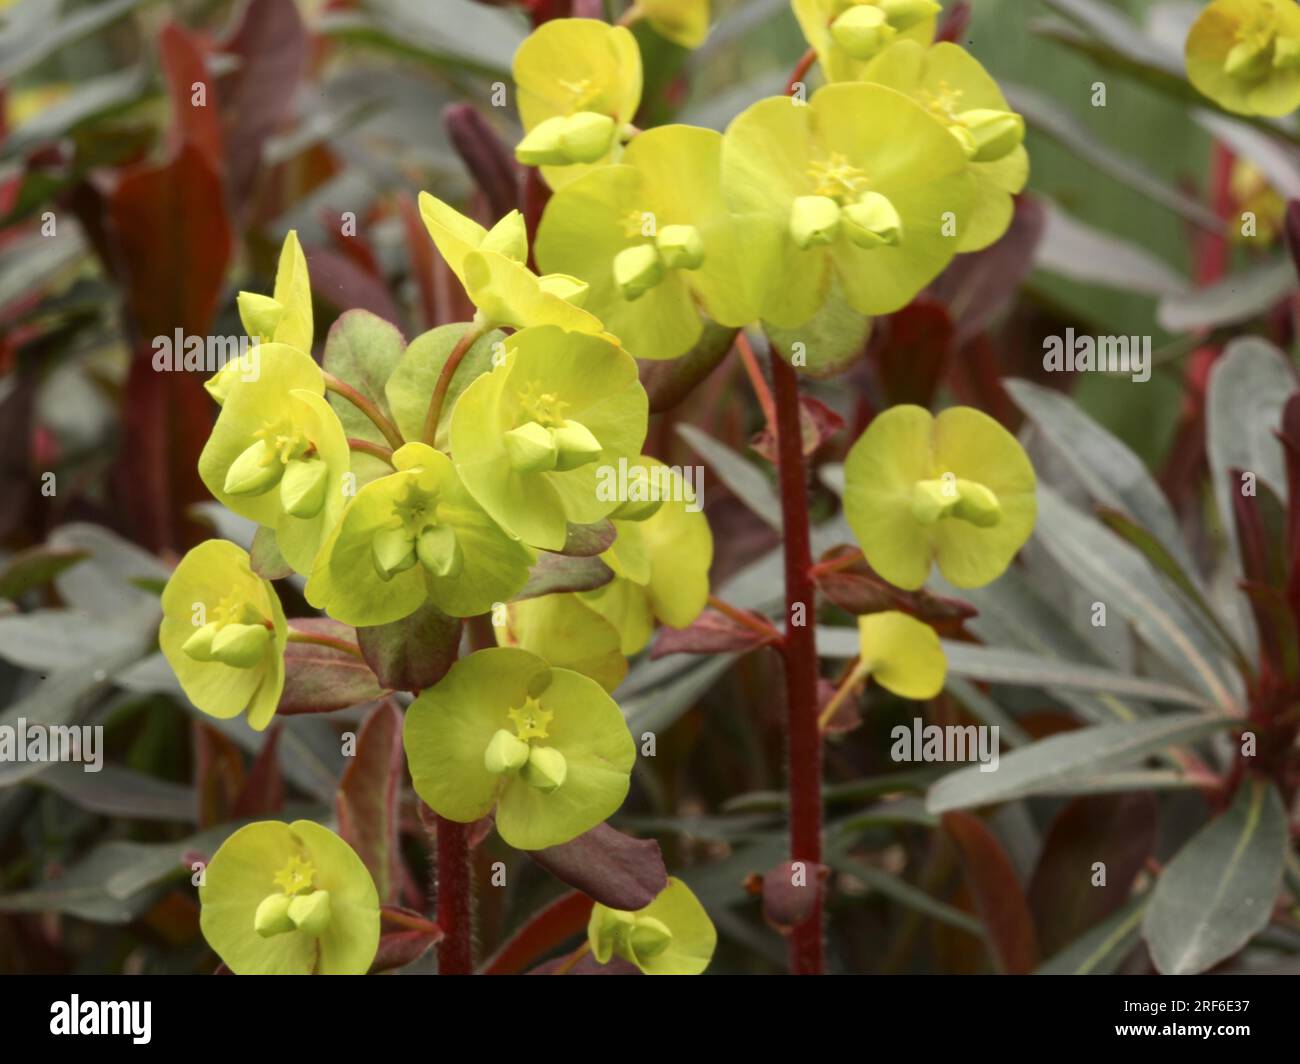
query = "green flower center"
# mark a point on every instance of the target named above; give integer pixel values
(1259, 47)
(581, 92)
(943, 102)
(283, 455)
(546, 441)
(635, 937)
(413, 533)
(836, 178)
(949, 496)
(542, 767)
(296, 906)
(237, 635)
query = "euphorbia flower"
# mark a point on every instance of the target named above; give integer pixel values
(289, 899)
(548, 747)
(956, 489)
(282, 318)
(660, 562)
(684, 22)
(673, 935)
(579, 84)
(901, 654)
(530, 438)
(653, 240)
(411, 537)
(952, 86)
(846, 34)
(566, 632)
(1245, 55)
(490, 265)
(817, 189)
(278, 454)
(223, 633)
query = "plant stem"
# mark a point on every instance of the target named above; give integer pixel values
(756, 381)
(389, 430)
(455, 948)
(856, 675)
(744, 618)
(572, 959)
(439, 397)
(384, 454)
(801, 70)
(800, 651)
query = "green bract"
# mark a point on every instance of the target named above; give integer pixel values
(284, 318)
(952, 86)
(882, 204)
(673, 935)
(289, 899)
(1245, 55)
(529, 439)
(956, 489)
(547, 746)
(223, 633)
(579, 84)
(490, 265)
(278, 454)
(566, 632)
(684, 22)
(415, 535)
(901, 654)
(661, 562)
(846, 34)
(653, 239)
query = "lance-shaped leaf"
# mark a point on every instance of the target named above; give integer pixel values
(318, 679)
(542, 932)
(612, 868)
(1220, 888)
(1103, 949)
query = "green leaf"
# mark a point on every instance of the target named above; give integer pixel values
(413, 653)
(1118, 575)
(413, 380)
(44, 640)
(31, 32)
(1065, 760)
(828, 343)
(92, 100)
(745, 480)
(904, 893)
(117, 791)
(35, 567)
(264, 555)
(1239, 297)
(1220, 888)
(362, 349)
(556, 573)
(1103, 948)
(110, 581)
(367, 803)
(1072, 249)
(318, 679)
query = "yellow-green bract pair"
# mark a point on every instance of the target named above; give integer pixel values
(1245, 55)
(289, 899)
(673, 935)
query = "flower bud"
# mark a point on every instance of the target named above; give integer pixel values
(637, 270)
(872, 222)
(241, 645)
(272, 916)
(256, 471)
(648, 937)
(392, 550)
(575, 446)
(570, 289)
(438, 551)
(260, 315)
(541, 146)
(199, 645)
(506, 752)
(681, 247)
(976, 504)
(996, 133)
(904, 14)
(310, 913)
(814, 220)
(303, 487)
(531, 448)
(586, 137)
(932, 499)
(862, 31)
(545, 768)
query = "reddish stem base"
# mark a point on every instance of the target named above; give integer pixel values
(456, 948)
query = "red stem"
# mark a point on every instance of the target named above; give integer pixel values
(456, 948)
(800, 650)
(801, 69)
(434, 414)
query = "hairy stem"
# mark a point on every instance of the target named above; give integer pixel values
(456, 948)
(376, 416)
(439, 397)
(800, 652)
(297, 635)
(384, 454)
